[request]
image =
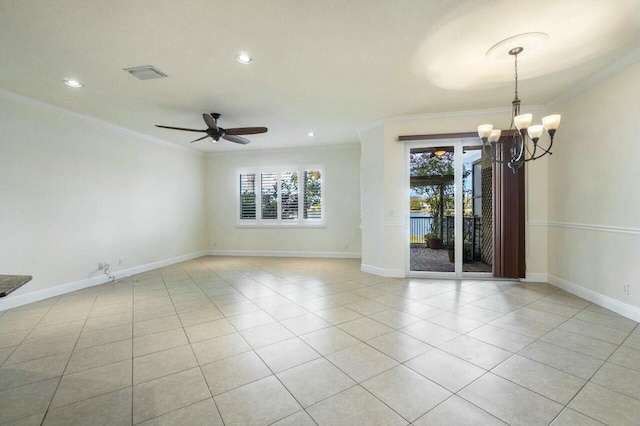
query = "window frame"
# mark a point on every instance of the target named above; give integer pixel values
(258, 221)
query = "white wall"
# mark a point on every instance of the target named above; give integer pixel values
(594, 191)
(75, 191)
(340, 236)
(372, 198)
(385, 212)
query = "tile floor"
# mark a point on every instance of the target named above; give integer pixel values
(259, 341)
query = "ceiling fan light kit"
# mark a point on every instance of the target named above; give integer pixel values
(524, 141)
(215, 132)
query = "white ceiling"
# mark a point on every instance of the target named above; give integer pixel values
(327, 66)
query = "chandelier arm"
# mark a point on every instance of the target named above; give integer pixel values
(535, 147)
(491, 147)
(521, 147)
(545, 151)
(495, 160)
(492, 155)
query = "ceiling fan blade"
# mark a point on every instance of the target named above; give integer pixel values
(180, 128)
(204, 137)
(236, 139)
(246, 130)
(211, 122)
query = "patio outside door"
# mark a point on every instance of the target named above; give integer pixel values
(451, 221)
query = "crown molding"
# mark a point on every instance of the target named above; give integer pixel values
(599, 76)
(309, 148)
(34, 103)
(440, 115)
(628, 59)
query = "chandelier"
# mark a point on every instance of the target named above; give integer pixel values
(525, 139)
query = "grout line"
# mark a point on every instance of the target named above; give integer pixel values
(589, 380)
(238, 275)
(204, 378)
(23, 340)
(133, 319)
(69, 360)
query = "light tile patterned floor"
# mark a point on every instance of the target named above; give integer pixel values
(259, 341)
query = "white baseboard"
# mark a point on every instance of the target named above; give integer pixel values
(390, 273)
(159, 264)
(535, 277)
(624, 309)
(13, 301)
(269, 253)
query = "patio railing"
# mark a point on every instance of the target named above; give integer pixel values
(444, 227)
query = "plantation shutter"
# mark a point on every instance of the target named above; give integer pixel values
(269, 190)
(248, 196)
(289, 195)
(312, 207)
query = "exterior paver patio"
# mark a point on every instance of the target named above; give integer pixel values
(426, 259)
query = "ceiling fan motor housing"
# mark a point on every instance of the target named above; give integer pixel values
(215, 135)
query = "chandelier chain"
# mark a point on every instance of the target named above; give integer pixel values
(516, 75)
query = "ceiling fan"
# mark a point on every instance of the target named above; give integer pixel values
(214, 132)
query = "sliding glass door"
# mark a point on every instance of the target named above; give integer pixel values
(450, 220)
(432, 206)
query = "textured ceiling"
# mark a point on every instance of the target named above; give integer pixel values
(327, 66)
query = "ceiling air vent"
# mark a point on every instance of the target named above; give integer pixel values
(145, 73)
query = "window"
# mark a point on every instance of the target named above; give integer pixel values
(313, 194)
(248, 196)
(288, 196)
(269, 185)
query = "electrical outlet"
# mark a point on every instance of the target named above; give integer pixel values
(625, 288)
(346, 246)
(100, 265)
(120, 262)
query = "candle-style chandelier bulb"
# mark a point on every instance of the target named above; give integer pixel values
(484, 130)
(551, 122)
(495, 135)
(523, 121)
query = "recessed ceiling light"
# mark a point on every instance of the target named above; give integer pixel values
(243, 58)
(311, 133)
(72, 83)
